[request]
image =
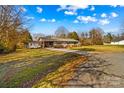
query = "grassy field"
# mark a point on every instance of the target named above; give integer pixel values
(101, 48)
(25, 67)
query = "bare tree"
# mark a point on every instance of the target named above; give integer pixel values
(96, 35)
(11, 21)
(61, 32)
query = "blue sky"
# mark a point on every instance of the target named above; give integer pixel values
(47, 18)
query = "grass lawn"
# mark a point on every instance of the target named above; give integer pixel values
(26, 54)
(25, 67)
(101, 48)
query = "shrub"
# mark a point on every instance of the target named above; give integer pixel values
(4, 49)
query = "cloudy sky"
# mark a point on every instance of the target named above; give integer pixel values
(47, 18)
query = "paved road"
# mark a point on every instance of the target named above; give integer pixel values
(100, 70)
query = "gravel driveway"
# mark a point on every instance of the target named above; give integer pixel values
(117, 61)
(100, 70)
(67, 50)
(105, 70)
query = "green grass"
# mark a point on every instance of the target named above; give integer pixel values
(26, 53)
(24, 67)
(101, 48)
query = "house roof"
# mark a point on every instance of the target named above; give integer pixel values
(68, 40)
(58, 39)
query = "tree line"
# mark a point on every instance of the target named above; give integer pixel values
(13, 33)
(95, 36)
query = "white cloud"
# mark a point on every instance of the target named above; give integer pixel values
(94, 14)
(113, 14)
(43, 20)
(92, 8)
(23, 9)
(71, 7)
(86, 19)
(47, 20)
(70, 13)
(114, 6)
(52, 20)
(39, 9)
(62, 7)
(103, 15)
(104, 21)
(75, 21)
(29, 17)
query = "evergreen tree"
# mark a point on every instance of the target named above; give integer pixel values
(73, 35)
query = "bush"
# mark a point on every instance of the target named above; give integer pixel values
(6, 49)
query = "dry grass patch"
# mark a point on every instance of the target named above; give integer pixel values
(61, 75)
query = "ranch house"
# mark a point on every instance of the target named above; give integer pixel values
(52, 42)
